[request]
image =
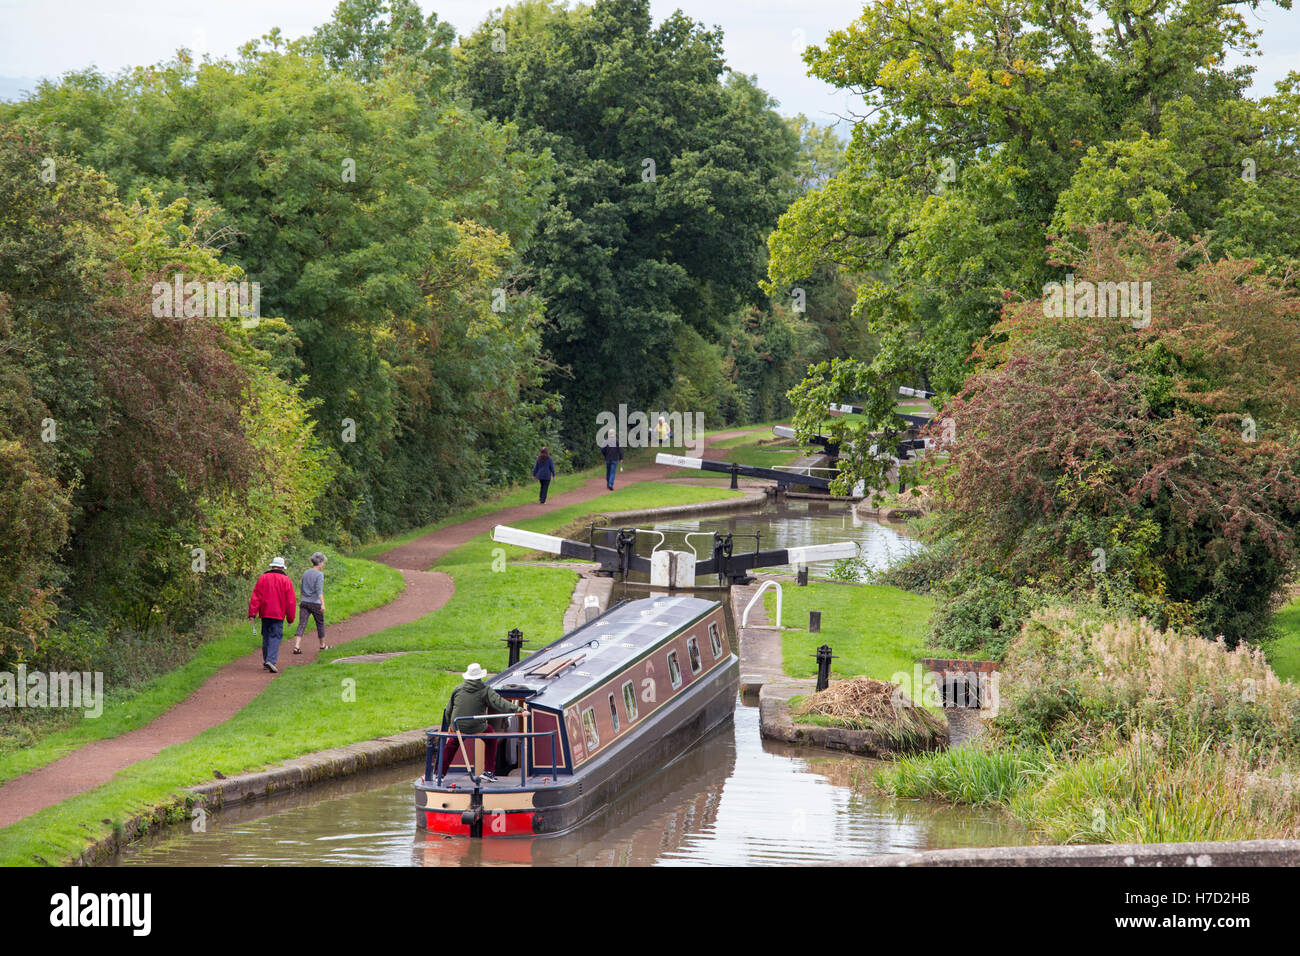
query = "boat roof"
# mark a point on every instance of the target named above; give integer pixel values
(601, 647)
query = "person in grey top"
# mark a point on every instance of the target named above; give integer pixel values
(312, 601)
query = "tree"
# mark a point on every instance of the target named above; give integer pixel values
(338, 173)
(1157, 465)
(120, 422)
(992, 126)
(670, 173)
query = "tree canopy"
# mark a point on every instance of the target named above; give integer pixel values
(670, 172)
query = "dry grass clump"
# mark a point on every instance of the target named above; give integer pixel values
(861, 703)
(1066, 674)
(919, 497)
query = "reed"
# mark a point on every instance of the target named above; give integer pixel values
(972, 775)
(1140, 794)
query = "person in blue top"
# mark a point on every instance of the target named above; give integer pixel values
(544, 471)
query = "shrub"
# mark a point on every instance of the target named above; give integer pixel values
(1070, 674)
(1086, 449)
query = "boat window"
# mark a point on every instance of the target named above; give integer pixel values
(589, 728)
(693, 652)
(715, 640)
(629, 701)
(674, 669)
(613, 713)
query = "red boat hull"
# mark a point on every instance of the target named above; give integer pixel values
(495, 824)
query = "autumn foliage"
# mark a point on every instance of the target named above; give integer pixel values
(1154, 466)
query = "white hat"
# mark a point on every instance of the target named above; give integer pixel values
(474, 673)
(277, 563)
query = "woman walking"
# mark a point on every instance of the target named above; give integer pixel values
(544, 471)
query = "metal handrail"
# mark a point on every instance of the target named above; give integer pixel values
(744, 618)
(443, 736)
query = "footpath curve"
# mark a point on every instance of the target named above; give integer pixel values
(235, 686)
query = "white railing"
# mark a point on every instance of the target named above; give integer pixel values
(744, 618)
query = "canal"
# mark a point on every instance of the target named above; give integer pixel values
(788, 524)
(734, 799)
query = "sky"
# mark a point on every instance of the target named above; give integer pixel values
(46, 38)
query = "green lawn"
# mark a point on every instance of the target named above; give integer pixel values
(351, 586)
(1284, 653)
(304, 709)
(520, 495)
(873, 630)
(526, 494)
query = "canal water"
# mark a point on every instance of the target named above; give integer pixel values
(786, 524)
(734, 799)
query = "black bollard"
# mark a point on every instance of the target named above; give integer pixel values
(514, 640)
(814, 622)
(803, 576)
(735, 470)
(824, 657)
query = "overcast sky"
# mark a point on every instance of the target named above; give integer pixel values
(45, 38)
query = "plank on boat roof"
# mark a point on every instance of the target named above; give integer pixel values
(590, 654)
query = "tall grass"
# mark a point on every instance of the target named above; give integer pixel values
(1140, 794)
(972, 775)
(1118, 732)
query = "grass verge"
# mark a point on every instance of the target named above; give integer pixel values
(352, 586)
(874, 630)
(1284, 653)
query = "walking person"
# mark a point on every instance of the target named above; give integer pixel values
(544, 471)
(312, 602)
(613, 457)
(471, 699)
(274, 602)
(664, 432)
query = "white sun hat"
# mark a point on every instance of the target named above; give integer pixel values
(277, 563)
(474, 673)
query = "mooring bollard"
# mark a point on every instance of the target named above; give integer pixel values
(814, 622)
(514, 640)
(735, 470)
(824, 657)
(803, 576)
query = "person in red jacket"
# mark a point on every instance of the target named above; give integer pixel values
(275, 603)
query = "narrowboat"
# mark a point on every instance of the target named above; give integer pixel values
(605, 706)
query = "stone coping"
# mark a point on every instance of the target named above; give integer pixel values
(1221, 853)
